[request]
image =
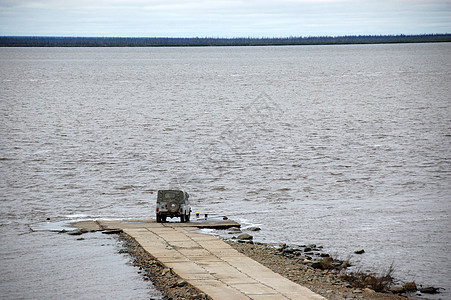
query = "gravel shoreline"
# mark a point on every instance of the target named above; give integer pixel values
(324, 282)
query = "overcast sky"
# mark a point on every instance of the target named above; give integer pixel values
(223, 18)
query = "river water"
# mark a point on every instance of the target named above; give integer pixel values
(343, 146)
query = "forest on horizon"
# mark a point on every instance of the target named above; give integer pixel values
(55, 41)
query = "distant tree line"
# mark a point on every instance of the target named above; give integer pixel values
(43, 41)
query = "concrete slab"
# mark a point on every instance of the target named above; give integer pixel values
(88, 225)
(170, 259)
(189, 270)
(225, 272)
(254, 289)
(234, 278)
(190, 244)
(171, 236)
(217, 290)
(146, 237)
(165, 254)
(193, 253)
(136, 230)
(210, 257)
(201, 237)
(269, 297)
(246, 265)
(215, 245)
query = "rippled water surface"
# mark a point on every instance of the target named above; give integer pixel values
(343, 146)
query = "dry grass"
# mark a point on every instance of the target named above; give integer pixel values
(378, 283)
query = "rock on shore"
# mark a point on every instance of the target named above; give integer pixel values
(245, 236)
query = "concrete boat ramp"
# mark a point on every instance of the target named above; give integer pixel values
(205, 261)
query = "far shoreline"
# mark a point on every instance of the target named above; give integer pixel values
(67, 41)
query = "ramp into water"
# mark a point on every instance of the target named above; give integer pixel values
(208, 263)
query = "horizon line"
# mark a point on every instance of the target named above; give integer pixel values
(231, 38)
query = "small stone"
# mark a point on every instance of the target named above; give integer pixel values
(181, 283)
(80, 239)
(410, 286)
(357, 291)
(112, 231)
(301, 258)
(76, 232)
(359, 251)
(289, 250)
(307, 249)
(428, 290)
(397, 289)
(254, 229)
(245, 236)
(236, 229)
(344, 265)
(316, 265)
(246, 242)
(282, 246)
